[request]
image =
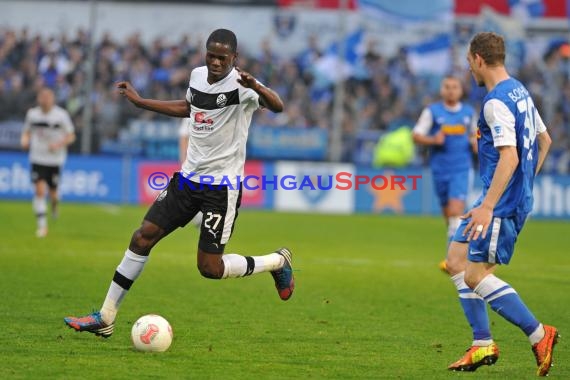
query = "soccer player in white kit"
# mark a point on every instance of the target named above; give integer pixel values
(48, 130)
(220, 102)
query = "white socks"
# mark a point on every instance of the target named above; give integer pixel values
(127, 272)
(39, 205)
(239, 266)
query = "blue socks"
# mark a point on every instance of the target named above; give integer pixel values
(507, 303)
(475, 311)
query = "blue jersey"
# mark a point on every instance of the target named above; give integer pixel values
(509, 118)
(455, 154)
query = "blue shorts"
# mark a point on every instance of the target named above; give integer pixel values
(499, 244)
(454, 185)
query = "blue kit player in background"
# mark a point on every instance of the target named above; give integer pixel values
(448, 128)
(513, 143)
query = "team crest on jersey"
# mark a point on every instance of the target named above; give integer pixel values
(221, 100)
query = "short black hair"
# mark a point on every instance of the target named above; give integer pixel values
(224, 37)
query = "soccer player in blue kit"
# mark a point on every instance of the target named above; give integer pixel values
(513, 143)
(448, 129)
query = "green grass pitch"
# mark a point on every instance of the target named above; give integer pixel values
(369, 303)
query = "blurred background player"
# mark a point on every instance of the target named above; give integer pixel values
(183, 136)
(513, 144)
(448, 129)
(47, 132)
(220, 100)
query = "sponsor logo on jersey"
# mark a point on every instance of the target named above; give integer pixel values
(453, 129)
(200, 118)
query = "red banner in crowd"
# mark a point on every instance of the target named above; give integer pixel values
(330, 4)
(552, 8)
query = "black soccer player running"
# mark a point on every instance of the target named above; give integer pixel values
(220, 102)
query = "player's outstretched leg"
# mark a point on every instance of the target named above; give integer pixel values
(102, 322)
(232, 265)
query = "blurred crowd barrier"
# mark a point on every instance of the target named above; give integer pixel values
(319, 187)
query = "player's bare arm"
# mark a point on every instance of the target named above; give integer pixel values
(482, 215)
(176, 108)
(437, 139)
(182, 148)
(267, 97)
(473, 142)
(544, 142)
(25, 140)
(420, 134)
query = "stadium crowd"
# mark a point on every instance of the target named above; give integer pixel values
(382, 92)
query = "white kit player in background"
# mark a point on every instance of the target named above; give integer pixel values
(48, 131)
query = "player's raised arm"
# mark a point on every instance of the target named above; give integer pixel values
(267, 97)
(176, 108)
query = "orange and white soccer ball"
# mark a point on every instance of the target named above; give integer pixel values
(151, 333)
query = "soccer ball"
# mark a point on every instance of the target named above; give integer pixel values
(151, 333)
